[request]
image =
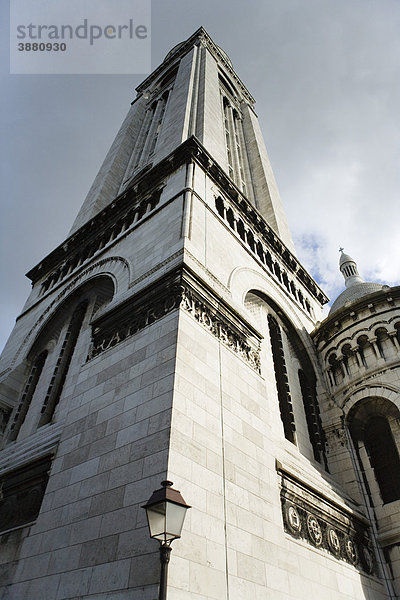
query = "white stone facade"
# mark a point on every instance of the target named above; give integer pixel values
(169, 338)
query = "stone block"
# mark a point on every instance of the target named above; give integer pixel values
(88, 529)
(74, 584)
(107, 501)
(94, 485)
(85, 470)
(56, 538)
(110, 576)
(135, 542)
(76, 511)
(204, 577)
(132, 433)
(103, 446)
(115, 458)
(145, 570)
(64, 560)
(98, 551)
(32, 567)
(117, 521)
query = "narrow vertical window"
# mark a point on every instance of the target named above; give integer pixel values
(27, 395)
(228, 138)
(384, 457)
(313, 417)
(241, 176)
(281, 377)
(60, 372)
(144, 135)
(162, 104)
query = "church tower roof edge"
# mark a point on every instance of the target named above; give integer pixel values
(179, 50)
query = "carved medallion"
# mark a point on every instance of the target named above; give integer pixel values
(293, 519)
(333, 540)
(314, 530)
(369, 559)
(351, 550)
(319, 523)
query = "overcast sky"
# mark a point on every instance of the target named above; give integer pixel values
(325, 75)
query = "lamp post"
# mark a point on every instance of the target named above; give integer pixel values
(165, 511)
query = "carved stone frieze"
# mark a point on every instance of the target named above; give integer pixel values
(179, 289)
(335, 438)
(307, 515)
(220, 328)
(122, 324)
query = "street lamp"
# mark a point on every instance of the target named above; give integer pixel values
(165, 510)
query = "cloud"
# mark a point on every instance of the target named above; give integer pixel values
(326, 78)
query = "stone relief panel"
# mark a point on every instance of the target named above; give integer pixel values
(179, 289)
(322, 524)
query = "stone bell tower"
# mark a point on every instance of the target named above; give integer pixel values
(168, 338)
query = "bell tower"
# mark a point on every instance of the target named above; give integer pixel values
(168, 338)
(194, 92)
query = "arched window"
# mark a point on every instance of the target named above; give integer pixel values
(161, 106)
(384, 457)
(296, 382)
(371, 423)
(313, 417)
(61, 369)
(50, 358)
(281, 378)
(363, 346)
(152, 122)
(382, 341)
(26, 398)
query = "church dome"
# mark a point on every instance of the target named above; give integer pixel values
(356, 287)
(344, 258)
(355, 292)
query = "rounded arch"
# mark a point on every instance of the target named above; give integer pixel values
(367, 407)
(100, 288)
(115, 268)
(296, 332)
(244, 279)
(387, 392)
(373, 423)
(60, 338)
(295, 376)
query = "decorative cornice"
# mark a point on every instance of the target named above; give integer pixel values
(180, 288)
(256, 221)
(147, 183)
(125, 212)
(223, 323)
(41, 443)
(336, 438)
(311, 517)
(357, 311)
(276, 264)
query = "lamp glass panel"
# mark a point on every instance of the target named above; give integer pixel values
(174, 520)
(156, 517)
